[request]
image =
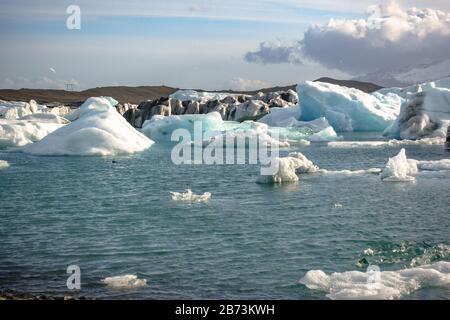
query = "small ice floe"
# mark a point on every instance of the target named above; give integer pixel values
(376, 284)
(399, 168)
(128, 281)
(368, 252)
(338, 205)
(288, 168)
(4, 164)
(189, 196)
(346, 172)
(389, 143)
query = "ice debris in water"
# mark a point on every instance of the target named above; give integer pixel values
(128, 281)
(4, 164)
(189, 196)
(288, 167)
(399, 168)
(378, 284)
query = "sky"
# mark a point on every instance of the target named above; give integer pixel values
(213, 44)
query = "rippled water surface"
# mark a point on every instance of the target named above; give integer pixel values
(249, 241)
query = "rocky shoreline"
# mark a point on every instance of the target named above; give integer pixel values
(8, 294)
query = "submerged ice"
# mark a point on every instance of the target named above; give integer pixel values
(189, 196)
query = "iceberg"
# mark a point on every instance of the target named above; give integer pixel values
(189, 196)
(200, 96)
(425, 113)
(211, 127)
(399, 168)
(348, 109)
(288, 167)
(160, 128)
(286, 120)
(98, 130)
(128, 281)
(4, 164)
(375, 284)
(28, 129)
(12, 110)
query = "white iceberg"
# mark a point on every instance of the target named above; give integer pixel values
(200, 96)
(189, 196)
(287, 168)
(375, 284)
(425, 113)
(12, 110)
(399, 168)
(348, 109)
(28, 129)
(98, 130)
(128, 281)
(4, 164)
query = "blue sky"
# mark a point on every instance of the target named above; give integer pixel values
(188, 44)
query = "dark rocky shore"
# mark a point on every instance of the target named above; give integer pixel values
(7, 294)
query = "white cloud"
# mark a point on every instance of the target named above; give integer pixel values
(389, 37)
(241, 84)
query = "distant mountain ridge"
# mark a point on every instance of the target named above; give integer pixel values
(135, 95)
(410, 75)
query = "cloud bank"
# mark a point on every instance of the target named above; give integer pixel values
(241, 84)
(388, 38)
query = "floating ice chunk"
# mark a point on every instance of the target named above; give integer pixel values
(4, 164)
(368, 252)
(128, 281)
(399, 168)
(378, 284)
(288, 167)
(347, 109)
(99, 130)
(189, 196)
(317, 130)
(29, 129)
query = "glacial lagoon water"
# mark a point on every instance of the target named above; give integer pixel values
(248, 241)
